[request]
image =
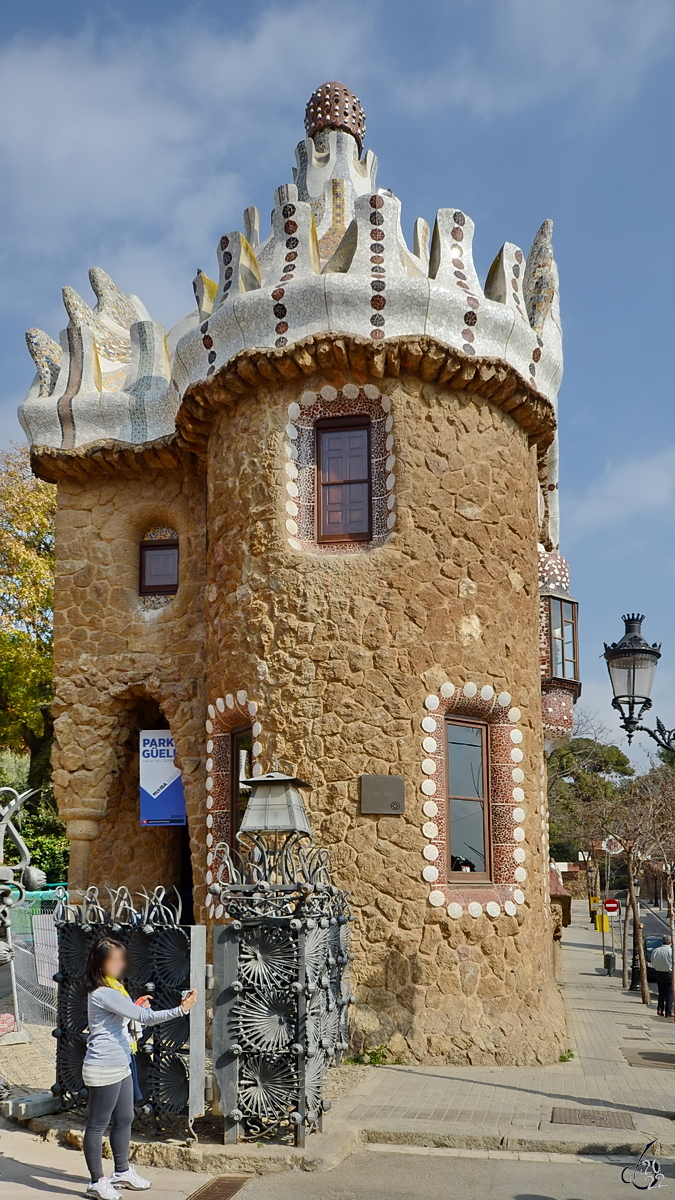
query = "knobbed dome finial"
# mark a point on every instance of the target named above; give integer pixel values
(334, 106)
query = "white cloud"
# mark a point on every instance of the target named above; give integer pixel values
(144, 148)
(633, 488)
(595, 53)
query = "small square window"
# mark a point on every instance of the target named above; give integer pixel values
(159, 568)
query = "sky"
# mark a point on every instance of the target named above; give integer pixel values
(132, 136)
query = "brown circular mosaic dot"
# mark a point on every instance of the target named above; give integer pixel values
(279, 310)
(288, 210)
(464, 286)
(290, 227)
(291, 257)
(376, 258)
(467, 335)
(470, 318)
(278, 294)
(207, 341)
(459, 219)
(376, 333)
(286, 278)
(378, 302)
(472, 302)
(376, 202)
(282, 327)
(458, 234)
(224, 242)
(228, 273)
(519, 256)
(377, 235)
(514, 284)
(536, 353)
(457, 262)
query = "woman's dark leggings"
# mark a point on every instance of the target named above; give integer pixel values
(115, 1101)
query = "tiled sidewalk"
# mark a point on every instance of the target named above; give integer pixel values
(512, 1106)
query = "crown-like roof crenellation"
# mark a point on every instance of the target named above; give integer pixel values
(335, 263)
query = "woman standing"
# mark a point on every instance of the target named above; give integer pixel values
(106, 1071)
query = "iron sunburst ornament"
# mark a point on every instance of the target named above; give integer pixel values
(267, 1087)
(267, 1022)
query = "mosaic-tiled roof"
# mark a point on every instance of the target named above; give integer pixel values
(334, 263)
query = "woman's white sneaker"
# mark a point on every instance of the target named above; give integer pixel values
(103, 1189)
(130, 1179)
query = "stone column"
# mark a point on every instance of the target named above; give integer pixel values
(82, 824)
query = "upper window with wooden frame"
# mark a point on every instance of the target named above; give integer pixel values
(563, 638)
(158, 567)
(468, 817)
(344, 480)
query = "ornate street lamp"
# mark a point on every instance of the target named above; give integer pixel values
(631, 663)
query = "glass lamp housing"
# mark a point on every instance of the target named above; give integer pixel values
(275, 805)
(631, 663)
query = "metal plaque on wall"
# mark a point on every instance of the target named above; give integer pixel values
(383, 794)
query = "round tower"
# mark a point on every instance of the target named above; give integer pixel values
(374, 430)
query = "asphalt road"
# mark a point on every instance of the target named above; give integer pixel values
(389, 1176)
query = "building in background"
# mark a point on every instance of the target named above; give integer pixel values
(304, 527)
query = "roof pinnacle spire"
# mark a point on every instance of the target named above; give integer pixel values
(334, 106)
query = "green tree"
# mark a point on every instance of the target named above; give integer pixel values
(27, 510)
(581, 774)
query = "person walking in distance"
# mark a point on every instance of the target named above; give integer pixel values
(108, 1070)
(662, 962)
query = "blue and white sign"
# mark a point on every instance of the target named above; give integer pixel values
(162, 799)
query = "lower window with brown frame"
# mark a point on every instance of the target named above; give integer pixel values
(468, 818)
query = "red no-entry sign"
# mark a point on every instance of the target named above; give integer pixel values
(612, 905)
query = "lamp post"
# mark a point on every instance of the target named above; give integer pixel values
(631, 663)
(635, 964)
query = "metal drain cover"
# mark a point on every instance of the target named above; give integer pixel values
(649, 1058)
(601, 1118)
(221, 1188)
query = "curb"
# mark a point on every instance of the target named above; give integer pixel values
(319, 1155)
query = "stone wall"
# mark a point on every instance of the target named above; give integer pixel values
(338, 652)
(114, 657)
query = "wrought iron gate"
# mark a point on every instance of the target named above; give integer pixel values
(165, 958)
